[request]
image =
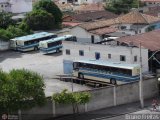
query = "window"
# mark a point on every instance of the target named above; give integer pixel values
(122, 58)
(68, 52)
(109, 56)
(97, 55)
(135, 58)
(81, 53)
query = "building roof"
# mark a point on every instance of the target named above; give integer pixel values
(149, 40)
(133, 17)
(96, 15)
(89, 7)
(70, 24)
(150, 0)
(98, 24)
(103, 31)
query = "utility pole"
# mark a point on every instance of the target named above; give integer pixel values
(141, 81)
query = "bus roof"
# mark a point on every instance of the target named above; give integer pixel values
(109, 64)
(33, 36)
(57, 39)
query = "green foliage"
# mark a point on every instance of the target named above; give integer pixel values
(71, 98)
(13, 31)
(50, 7)
(5, 35)
(5, 20)
(122, 6)
(20, 89)
(23, 26)
(39, 20)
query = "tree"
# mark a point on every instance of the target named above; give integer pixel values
(20, 89)
(39, 20)
(50, 7)
(72, 98)
(5, 20)
(122, 6)
(5, 35)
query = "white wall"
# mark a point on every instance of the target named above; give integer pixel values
(20, 6)
(104, 50)
(83, 36)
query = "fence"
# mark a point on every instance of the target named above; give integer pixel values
(101, 98)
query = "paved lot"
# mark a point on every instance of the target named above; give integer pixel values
(47, 65)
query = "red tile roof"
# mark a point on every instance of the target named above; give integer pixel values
(103, 31)
(150, 40)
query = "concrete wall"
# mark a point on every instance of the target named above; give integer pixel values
(100, 98)
(4, 45)
(104, 50)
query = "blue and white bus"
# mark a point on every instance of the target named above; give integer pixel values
(114, 73)
(54, 44)
(30, 42)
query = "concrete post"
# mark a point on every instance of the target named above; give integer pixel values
(114, 96)
(86, 107)
(54, 108)
(19, 114)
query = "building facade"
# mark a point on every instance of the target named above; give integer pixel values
(16, 6)
(112, 53)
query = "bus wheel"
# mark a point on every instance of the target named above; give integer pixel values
(35, 48)
(113, 81)
(81, 76)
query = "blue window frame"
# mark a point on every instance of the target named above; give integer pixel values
(97, 55)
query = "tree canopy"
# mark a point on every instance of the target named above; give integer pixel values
(122, 6)
(5, 20)
(75, 99)
(40, 20)
(20, 89)
(50, 7)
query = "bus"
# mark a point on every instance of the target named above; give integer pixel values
(54, 44)
(114, 73)
(30, 42)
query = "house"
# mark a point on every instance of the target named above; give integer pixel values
(111, 53)
(150, 41)
(93, 32)
(125, 25)
(16, 6)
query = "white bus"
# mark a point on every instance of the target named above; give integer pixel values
(54, 44)
(114, 73)
(30, 42)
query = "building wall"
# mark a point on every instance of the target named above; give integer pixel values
(83, 36)
(21, 6)
(100, 98)
(4, 45)
(104, 50)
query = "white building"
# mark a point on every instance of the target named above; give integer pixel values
(77, 51)
(16, 6)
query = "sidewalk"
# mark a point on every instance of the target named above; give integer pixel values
(110, 111)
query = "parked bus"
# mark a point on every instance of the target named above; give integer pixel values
(30, 42)
(114, 73)
(54, 44)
